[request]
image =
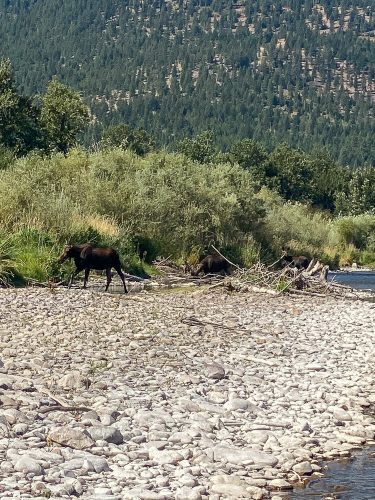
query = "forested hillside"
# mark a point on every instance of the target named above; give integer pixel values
(301, 72)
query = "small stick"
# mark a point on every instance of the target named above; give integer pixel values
(63, 408)
(55, 398)
(281, 426)
(276, 261)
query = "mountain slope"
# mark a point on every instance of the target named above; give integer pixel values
(303, 72)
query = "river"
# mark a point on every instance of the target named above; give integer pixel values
(352, 479)
(361, 280)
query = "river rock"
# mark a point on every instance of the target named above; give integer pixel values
(242, 456)
(165, 457)
(106, 433)
(68, 436)
(342, 415)
(214, 371)
(279, 484)
(303, 468)
(28, 465)
(73, 380)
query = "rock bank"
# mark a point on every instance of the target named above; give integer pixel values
(199, 395)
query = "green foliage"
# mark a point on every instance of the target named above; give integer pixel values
(293, 225)
(249, 154)
(200, 149)
(123, 136)
(357, 231)
(164, 202)
(6, 157)
(63, 115)
(358, 195)
(8, 272)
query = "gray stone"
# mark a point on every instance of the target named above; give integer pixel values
(28, 465)
(303, 468)
(342, 415)
(163, 457)
(186, 493)
(279, 484)
(241, 456)
(229, 486)
(214, 371)
(236, 404)
(69, 436)
(106, 433)
(73, 380)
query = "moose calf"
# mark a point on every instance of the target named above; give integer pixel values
(212, 264)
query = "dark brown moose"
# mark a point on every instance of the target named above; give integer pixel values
(87, 257)
(300, 261)
(212, 264)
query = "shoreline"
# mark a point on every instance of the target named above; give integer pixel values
(191, 395)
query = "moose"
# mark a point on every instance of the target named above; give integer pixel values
(87, 257)
(300, 261)
(212, 264)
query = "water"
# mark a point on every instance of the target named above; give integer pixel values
(352, 479)
(361, 280)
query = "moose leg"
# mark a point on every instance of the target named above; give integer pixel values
(109, 277)
(73, 275)
(87, 272)
(122, 276)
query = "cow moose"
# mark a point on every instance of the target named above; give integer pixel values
(212, 264)
(300, 261)
(87, 257)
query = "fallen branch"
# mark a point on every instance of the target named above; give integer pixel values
(267, 424)
(221, 255)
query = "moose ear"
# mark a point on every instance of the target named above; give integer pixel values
(86, 252)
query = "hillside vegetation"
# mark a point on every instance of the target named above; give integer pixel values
(300, 72)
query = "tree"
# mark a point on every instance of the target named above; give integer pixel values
(200, 149)
(63, 115)
(358, 196)
(123, 136)
(19, 128)
(249, 153)
(294, 172)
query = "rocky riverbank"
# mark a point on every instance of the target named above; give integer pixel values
(177, 395)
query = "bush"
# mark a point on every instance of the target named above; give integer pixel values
(163, 203)
(298, 227)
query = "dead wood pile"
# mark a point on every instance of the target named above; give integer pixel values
(171, 273)
(259, 277)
